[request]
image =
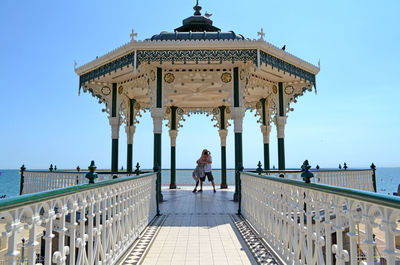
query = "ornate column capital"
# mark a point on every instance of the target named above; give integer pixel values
(115, 123)
(158, 116)
(280, 122)
(222, 135)
(130, 131)
(237, 114)
(173, 134)
(266, 130)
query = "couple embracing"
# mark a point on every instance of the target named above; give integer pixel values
(203, 170)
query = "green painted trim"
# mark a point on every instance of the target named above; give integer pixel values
(281, 153)
(159, 88)
(266, 157)
(28, 199)
(263, 111)
(280, 89)
(236, 87)
(238, 158)
(222, 117)
(224, 185)
(173, 117)
(373, 179)
(172, 184)
(114, 100)
(371, 197)
(114, 156)
(131, 111)
(129, 158)
(157, 150)
(183, 56)
(21, 183)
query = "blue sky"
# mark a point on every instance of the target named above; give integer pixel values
(353, 118)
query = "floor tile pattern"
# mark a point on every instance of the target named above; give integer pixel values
(140, 247)
(257, 247)
(199, 228)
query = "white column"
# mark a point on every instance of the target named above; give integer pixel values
(266, 131)
(223, 134)
(130, 131)
(280, 122)
(158, 116)
(237, 114)
(115, 123)
(173, 134)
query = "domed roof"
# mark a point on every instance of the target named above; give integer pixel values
(197, 27)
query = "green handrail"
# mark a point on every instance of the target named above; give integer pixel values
(372, 197)
(10, 203)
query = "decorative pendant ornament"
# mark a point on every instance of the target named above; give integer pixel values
(106, 91)
(275, 89)
(289, 90)
(152, 75)
(120, 90)
(169, 78)
(226, 77)
(242, 74)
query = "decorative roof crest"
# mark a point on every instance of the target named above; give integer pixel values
(261, 34)
(133, 35)
(197, 9)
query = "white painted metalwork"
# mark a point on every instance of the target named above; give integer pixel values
(318, 224)
(37, 181)
(184, 177)
(354, 179)
(83, 225)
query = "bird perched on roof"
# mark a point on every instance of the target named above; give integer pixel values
(284, 47)
(207, 14)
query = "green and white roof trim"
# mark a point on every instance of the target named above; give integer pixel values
(202, 43)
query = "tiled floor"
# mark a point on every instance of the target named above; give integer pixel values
(198, 230)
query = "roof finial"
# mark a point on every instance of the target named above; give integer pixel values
(197, 9)
(261, 34)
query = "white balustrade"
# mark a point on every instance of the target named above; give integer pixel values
(184, 177)
(319, 224)
(89, 224)
(37, 181)
(354, 179)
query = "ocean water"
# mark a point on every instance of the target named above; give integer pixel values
(387, 180)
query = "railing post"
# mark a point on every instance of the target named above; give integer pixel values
(373, 167)
(21, 185)
(159, 195)
(239, 171)
(91, 176)
(306, 174)
(259, 168)
(137, 171)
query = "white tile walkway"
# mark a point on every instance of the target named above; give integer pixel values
(198, 230)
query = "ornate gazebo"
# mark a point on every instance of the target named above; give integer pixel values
(197, 68)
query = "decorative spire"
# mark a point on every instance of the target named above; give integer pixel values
(261, 34)
(197, 9)
(133, 35)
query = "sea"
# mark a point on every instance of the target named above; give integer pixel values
(387, 181)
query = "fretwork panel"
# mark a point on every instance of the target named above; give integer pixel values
(89, 226)
(305, 226)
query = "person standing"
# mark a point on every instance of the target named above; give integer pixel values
(207, 169)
